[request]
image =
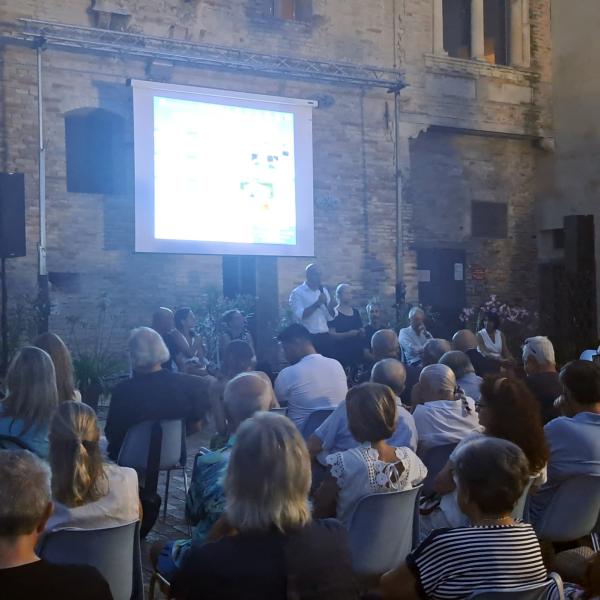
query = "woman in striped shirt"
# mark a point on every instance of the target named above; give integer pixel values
(495, 553)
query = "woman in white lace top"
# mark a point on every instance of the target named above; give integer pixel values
(374, 466)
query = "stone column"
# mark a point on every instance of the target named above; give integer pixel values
(516, 33)
(477, 31)
(438, 28)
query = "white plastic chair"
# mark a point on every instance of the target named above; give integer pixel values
(588, 355)
(173, 454)
(114, 551)
(549, 590)
(573, 511)
(520, 511)
(383, 529)
(314, 420)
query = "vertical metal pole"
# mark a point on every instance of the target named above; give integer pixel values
(4, 319)
(43, 288)
(399, 216)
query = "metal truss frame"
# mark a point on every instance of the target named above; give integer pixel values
(89, 39)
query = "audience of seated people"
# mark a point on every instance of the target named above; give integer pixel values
(153, 393)
(234, 328)
(31, 399)
(445, 415)
(245, 395)
(542, 377)
(573, 439)
(267, 545)
(88, 493)
(63, 365)
(496, 552)
(334, 435)
(374, 466)
(346, 329)
(507, 410)
(311, 381)
(463, 370)
(25, 507)
(466, 341)
(414, 337)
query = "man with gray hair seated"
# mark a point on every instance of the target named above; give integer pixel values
(153, 393)
(334, 434)
(413, 338)
(542, 377)
(464, 372)
(25, 506)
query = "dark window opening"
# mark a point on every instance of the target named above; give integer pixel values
(291, 10)
(239, 276)
(457, 28)
(489, 220)
(95, 151)
(496, 17)
(558, 239)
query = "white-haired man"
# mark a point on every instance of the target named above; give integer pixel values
(153, 393)
(25, 506)
(414, 337)
(542, 377)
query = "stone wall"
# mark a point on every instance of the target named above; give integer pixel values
(354, 148)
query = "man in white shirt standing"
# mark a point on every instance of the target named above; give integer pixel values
(312, 381)
(414, 337)
(312, 307)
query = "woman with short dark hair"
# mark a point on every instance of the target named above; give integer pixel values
(374, 466)
(496, 552)
(491, 342)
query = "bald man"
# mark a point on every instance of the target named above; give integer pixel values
(244, 395)
(312, 306)
(465, 341)
(334, 434)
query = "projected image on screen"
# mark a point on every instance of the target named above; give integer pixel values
(223, 173)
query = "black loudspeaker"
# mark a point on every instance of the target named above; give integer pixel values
(12, 215)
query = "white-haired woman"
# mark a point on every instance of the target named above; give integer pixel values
(346, 328)
(32, 398)
(271, 548)
(87, 492)
(446, 415)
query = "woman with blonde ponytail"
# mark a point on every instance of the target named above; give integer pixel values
(87, 493)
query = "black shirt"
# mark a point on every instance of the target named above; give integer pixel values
(350, 350)
(154, 396)
(482, 364)
(46, 581)
(310, 564)
(546, 387)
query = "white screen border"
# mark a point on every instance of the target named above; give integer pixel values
(144, 93)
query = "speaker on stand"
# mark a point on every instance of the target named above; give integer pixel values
(12, 241)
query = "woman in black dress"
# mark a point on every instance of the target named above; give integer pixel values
(346, 329)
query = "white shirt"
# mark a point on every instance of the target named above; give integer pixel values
(443, 422)
(359, 472)
(120, 504)
(493, 347)
(303, 297)
(412, 344)
(313, 382)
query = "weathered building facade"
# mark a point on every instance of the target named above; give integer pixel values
(430, 121)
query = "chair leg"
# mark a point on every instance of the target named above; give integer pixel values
(166, 494)
(185, 489)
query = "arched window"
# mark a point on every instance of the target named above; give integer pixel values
(457, 28)
(95, 151)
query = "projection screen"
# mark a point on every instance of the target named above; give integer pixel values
(222, 172)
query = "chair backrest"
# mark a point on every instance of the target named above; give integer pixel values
(588, 355)
(10, 442)
(135, 447)
(314, 420)
(383, 529)
(435, 460)
(550, 589)
(573, 511)
(114, 551)
(281, 410)
(519, 512)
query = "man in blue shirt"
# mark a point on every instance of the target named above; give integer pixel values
(574, 439)
(334, 435)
